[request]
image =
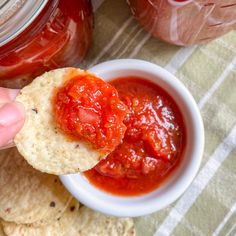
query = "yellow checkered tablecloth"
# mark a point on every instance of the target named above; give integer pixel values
(208, 207)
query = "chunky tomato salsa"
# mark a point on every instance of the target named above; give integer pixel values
(152, 145)
(88, 109)
(59, 37)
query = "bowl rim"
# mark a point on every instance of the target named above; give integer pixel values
(133, 206)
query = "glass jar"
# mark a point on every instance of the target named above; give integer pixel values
(185, 22)
(40, 35)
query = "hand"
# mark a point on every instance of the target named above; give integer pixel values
(12, 117)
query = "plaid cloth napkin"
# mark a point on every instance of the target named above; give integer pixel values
(208, 207)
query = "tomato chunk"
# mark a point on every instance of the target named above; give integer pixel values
(88, 109)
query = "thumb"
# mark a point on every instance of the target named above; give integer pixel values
(12, 116)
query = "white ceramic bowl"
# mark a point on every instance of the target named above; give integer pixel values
(180, 179)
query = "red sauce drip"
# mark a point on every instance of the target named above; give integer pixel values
(153, 142)
(89, 109)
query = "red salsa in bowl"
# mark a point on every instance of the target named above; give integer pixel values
(152, 146)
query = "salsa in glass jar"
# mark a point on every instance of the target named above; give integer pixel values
(37, 36)
(185, 22)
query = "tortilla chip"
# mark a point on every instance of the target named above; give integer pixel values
(91, 223)
(27, 195)
(39, 141)
(59, 228)
(76, 222)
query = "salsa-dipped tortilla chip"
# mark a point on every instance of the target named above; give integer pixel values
(73, 119)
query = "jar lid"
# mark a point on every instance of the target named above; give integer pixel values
(16, 16)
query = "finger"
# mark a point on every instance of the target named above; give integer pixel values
(7, 95)
(11, 120)
(7, 134)
(9, 145)
(13, 93)
(11, 113)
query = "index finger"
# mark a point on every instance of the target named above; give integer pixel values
(7, 95)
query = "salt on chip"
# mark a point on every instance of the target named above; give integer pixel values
(39, 141)
(58, 228)
(27, 195)
(91, 223)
